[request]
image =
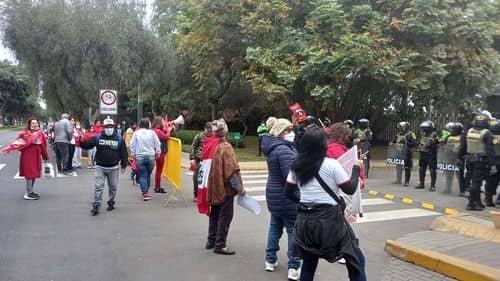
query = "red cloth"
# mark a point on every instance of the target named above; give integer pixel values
(162, 135)
(77, 133)
(208, 151)
(30, 162)
(335, 150)
(98, 130)
(160, 161)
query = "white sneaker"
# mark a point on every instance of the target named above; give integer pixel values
(341, 261)
(293, 274)
(271, 266)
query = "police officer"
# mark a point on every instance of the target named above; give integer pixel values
(363, 137)
(427, 146)
(406, 137)
(350, 140)
(455, 140)
(493, 179)
(481, 154)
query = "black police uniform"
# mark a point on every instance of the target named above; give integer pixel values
(409, 140)
(428, 158)
(481, 153)
(492, 180)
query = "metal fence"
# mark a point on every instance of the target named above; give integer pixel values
(440, 120)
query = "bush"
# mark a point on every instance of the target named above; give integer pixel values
(186, 136)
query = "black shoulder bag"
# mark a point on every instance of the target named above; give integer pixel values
(340, 201)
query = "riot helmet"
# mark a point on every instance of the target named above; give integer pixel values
(309, 121)
(363, 123)
(427, 126)
(494, 126)
(403, 126)
(480, 121)
(487, 113)
(455, 129)
(326, 121)
(349, 123)
(449, 126)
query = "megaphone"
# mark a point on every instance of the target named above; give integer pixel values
(179, 120)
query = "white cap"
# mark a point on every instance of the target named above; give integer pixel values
(108, 121)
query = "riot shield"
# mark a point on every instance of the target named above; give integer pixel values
(447, 158)
(396, 153)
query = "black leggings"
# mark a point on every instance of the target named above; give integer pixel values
(310, 263)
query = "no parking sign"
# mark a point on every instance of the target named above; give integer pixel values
(108, 100)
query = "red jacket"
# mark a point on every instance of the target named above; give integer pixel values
(335, 150)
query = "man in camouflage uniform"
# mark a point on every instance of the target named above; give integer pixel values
(407, 138)
(363, 137)
(427, 146)
(195, 155)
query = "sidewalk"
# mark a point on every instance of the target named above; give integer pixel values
(460, 247)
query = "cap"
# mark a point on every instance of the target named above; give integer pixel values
(279, 126)
(108, 122)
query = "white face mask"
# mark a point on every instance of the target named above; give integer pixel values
(289, 137)
(78, 126)
(109, 131)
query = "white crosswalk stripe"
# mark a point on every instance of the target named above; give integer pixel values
(376, 209)
(2, 166)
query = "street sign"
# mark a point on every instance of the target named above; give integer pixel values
(108, 102)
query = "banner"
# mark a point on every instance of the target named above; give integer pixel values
(353, 202)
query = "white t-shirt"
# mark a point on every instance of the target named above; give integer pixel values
(332, 174)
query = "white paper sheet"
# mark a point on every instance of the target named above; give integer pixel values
(249, 203)
(353, 202)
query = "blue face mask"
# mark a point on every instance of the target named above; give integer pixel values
(109, 131)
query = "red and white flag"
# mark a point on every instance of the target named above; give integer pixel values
(207, 155)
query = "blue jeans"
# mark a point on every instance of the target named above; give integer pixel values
(276, 226)
(145, 166)
(309, 268)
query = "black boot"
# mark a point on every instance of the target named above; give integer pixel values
(433, 180)
(111, 206)
(407, 176)
(473, 204)
(489, 200)
(421, 177)
(95, 210)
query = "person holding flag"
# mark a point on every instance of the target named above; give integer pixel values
(32, 144)
(162, 131)
(219, 180)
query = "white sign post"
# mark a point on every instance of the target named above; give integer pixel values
(108, 101)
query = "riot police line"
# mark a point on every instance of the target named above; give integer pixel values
(472, 156)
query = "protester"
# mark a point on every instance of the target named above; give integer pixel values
(223, 183)
(63, 132)
(195, 155)
(111, 156)
(145, 148)
(90, 152)
(71, 147)
(98, 127)
(32, 144)
(280, 155)
(338, 135)
(162, 130)
(321, 230)
(77, 157)
(133, 166)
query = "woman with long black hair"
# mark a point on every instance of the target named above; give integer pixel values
(321, 230)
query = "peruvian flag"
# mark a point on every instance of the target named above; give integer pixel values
(24, 139)
(207, 155)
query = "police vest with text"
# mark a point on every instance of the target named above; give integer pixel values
(475, 141)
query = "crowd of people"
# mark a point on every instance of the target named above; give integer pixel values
(304, 184)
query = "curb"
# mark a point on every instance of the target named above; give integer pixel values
(454, 267)
(410, 201)
(467, 225)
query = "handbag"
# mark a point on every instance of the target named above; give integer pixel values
(47, 170)
(340, 201)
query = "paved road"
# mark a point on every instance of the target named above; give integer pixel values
(55, 238)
